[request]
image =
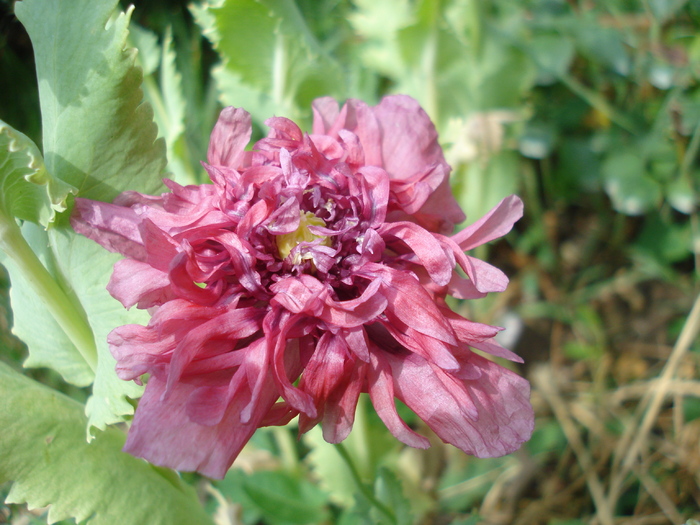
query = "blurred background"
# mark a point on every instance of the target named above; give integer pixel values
(590, 111)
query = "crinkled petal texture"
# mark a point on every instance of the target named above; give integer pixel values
(313, 269)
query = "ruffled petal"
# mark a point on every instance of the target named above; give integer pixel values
(163, 433)
(497, 420)
(229, 138)
(115, 228)
(496, 223)
(381, 392)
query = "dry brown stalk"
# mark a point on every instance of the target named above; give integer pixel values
(546, 383)
(653, 401)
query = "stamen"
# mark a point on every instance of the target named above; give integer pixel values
(288, 241)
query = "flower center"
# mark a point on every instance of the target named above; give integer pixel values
(288, 241)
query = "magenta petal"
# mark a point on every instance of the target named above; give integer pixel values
(496, 223)
(135, 282)
(115, 228)
(229, 138)
(504, 418)
(381, 392)
(425, 246)
(163, 433)
(410, 303)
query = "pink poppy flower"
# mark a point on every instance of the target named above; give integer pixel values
(313, 269)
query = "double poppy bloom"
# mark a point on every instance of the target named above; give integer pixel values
(314, 268)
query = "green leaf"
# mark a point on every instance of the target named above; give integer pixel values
(553, 55)
(479, 188)
(43, 450)
(604, 45)
(330, 468)
(389, 491)
(50, 346)
(97, 135)
(377, 24)
(631, 190)
(165, 96)
(171, 87)
(283, 498)
(369, 445)
(681, 195)
(267, 46)
(29, 192)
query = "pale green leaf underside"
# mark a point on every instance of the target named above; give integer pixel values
(43, 450)
(27, 190)
(97, 134)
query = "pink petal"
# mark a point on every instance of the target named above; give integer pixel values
(410, 303)
(328, 370)
(229, 138)
(115, 228)
(425, 246)
(493, 348)
(231, 326)
(135, 282)
(277, 326)
(326, 112)
(496, 223)
(486, 277)
(339, 411)
(409, 138)
(499, 419)
(375, 193)
(163, 434)
(381, 392)
(440, 212)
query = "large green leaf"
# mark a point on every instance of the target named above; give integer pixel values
(267, 46)
(97, 134)
(43, 450)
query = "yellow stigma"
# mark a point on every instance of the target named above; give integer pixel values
(288, 241)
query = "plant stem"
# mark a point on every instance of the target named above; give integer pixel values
(366, 492)
(288, 450)
(47, 289)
